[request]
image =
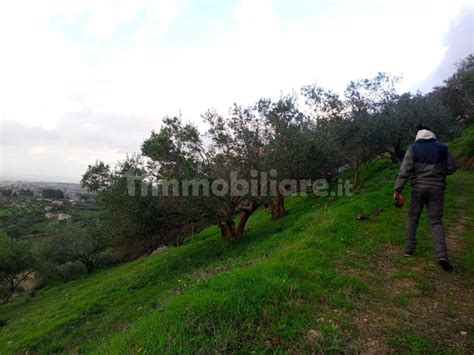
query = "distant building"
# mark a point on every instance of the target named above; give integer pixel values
(50, 215)
(57, 203)
(48, 208)
(64, 217)
(73, 201)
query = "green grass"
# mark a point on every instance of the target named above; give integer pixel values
(263, 294)
(414, 344)
(464, 146)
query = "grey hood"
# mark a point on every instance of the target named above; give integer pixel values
(425, 134)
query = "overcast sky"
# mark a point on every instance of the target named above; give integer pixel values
(89, 79)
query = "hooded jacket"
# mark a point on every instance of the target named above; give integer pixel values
(426, 163)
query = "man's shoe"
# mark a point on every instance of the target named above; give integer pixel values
(445, 264)
(408, 255)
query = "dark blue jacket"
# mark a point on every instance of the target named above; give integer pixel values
(426, 164)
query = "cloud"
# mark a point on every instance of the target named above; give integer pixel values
(102, 19)
(82, 129)
(65, 151)
(53, 52)
(459, 43)
(17, 134)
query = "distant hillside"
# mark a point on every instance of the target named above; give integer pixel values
(64, 186)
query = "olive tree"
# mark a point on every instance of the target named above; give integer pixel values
(73, 243)
(233, 146)
(457, 91)
(351, 123)
(397, 126)
(16, 264)
(294, 150)
(237, 146)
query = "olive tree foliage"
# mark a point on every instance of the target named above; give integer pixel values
(294, 150)
(177, 148)
(135, 222)
(351, 126)
(73, 242)
(325, 108)
(457, 91)
(366, 100)
(397, 126)
(237, 145)
(177, 154)
(373, 119)
(234, 145)
(97, 177)
(370, 96)
(17, 261)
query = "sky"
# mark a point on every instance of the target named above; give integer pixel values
(88, 80)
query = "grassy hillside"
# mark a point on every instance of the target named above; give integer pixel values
(318, 279)
(463, 148)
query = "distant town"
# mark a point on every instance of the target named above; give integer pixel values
(27, 207)
(36, 188)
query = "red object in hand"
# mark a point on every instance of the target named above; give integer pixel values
(399, 201)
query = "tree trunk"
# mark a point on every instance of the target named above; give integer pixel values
(13, 285)
(355, 168)
(277, 206)
(10, 291)
(359, 178)
(90, 266)
(88, 263)
(230, 231)
(394, 157)
(244, 217)
(396, 152)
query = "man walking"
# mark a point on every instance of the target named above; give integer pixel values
(426, 164)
